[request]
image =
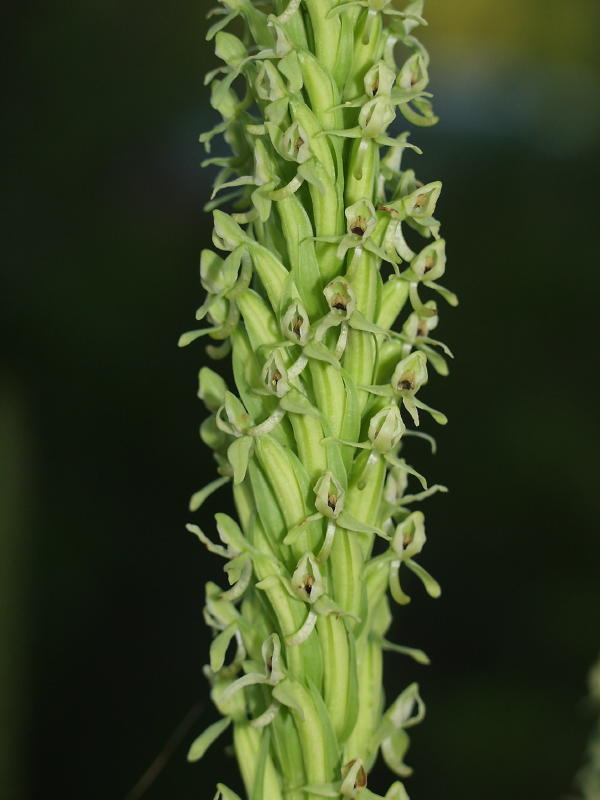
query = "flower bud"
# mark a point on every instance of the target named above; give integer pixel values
(386, 428)
(227, 234)
(230, 49)
(410, 374)
(295, 324)
(237, 416)
(213, 436)
(224, 99)
(274, 375)
(307, 580)
(330, 496)
(211, 388)
(211, 272)
(340, 297)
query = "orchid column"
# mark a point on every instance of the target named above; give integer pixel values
(318, 256)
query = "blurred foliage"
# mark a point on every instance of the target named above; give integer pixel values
(543, 31)
(105, 200)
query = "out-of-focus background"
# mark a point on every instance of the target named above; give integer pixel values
(101, 634)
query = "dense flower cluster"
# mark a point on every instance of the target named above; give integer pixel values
(316, 264)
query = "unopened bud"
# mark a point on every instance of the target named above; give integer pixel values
(211, 271)
(230, 49)
(211, 388)
(227, 234)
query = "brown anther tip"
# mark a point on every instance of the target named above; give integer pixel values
(358, 226)
(307, 584)
(405, 385)
(337, 301)
(429, 264)
(276, 377)
(297, 325)
(332, 501)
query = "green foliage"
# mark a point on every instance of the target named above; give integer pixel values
(316, 271)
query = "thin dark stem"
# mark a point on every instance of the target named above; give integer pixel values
(161, 760)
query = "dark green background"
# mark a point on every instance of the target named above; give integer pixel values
(101, 589)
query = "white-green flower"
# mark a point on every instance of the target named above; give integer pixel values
(323, 301)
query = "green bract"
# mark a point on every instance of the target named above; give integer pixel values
(306, 293)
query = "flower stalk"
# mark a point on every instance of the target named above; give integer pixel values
(312, 269)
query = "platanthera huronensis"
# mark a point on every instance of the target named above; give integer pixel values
(323, 290)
